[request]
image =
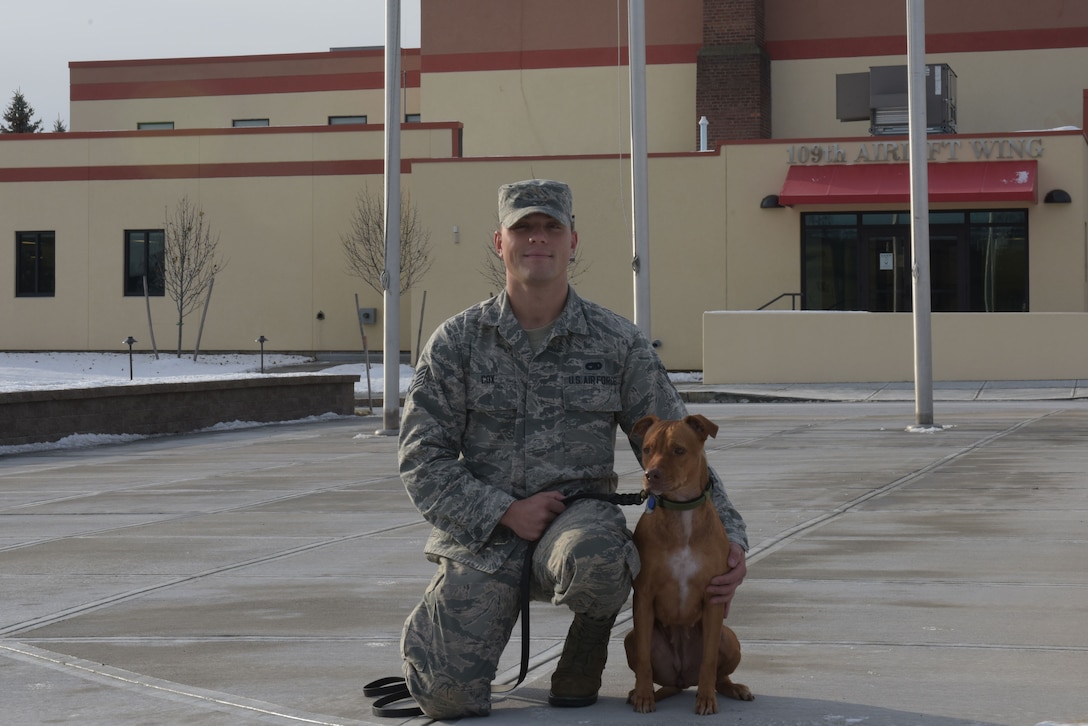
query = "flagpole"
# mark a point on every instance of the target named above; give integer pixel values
(391, 274)
(919, 212)
(640, 264)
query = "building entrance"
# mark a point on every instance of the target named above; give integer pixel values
(863, 261)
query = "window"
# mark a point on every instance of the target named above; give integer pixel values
(144, 257)
(412, 118)
(339, 120)
(155, 125)
(35, 264)
(978, 261)
(244, 123)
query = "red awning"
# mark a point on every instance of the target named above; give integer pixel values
(963, 181)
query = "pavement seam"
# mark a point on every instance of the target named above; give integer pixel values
(119, 678)
(895, 644)
(777, 542)
(12, 511)
(88, 607)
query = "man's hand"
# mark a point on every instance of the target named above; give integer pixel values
(723, 587)
(528, 518)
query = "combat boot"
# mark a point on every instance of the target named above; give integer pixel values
(577, 678)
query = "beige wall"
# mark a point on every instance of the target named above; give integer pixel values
(712, 247)
(764, 244)
(1058, 274)
(553, 112)
(280, 236)
(822, 347)
(299, 89)
(687, 247)
(47, 323)
(218, 112)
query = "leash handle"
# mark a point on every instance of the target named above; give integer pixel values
(387, 691)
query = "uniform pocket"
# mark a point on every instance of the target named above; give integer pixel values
(592, 396)
(591, 383)
(491, 399)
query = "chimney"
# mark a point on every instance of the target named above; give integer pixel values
(733, 76)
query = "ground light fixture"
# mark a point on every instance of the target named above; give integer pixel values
(262, 340)
(129, 341)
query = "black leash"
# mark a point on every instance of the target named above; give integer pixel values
(393, 689)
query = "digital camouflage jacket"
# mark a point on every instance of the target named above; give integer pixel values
(487, 421)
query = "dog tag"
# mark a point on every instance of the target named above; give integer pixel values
(651, 502)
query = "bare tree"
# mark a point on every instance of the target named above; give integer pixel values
(364, 245)
(190, 260)
(493, 269)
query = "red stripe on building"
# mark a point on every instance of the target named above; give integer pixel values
(198, 171)
(376, 52)
(562, 58)
(985, 42)
(235, 86)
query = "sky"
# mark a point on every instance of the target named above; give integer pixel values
(42, 36)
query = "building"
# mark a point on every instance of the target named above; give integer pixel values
(800, 200)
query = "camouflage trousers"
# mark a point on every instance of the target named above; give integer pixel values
(453, 639)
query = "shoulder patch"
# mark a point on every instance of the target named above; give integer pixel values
(421, 376)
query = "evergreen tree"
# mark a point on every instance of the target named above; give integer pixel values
(18, 117)
(58, 125)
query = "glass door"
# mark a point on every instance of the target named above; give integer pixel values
(949, 281)
(886, 280)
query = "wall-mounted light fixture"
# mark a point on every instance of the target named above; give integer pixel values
(456, 234)
(770, 202)
(1057, 196)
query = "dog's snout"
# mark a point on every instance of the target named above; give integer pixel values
(653, 474)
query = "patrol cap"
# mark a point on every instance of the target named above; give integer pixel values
(523, 198)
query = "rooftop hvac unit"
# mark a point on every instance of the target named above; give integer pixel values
(880, 97)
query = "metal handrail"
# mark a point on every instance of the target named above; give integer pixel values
(793, 296)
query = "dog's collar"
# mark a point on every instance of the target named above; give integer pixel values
(655, 499)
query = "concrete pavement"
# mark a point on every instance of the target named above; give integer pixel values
(262, 575)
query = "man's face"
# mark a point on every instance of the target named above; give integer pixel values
(536, 249)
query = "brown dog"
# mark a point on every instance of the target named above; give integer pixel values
(679, 639)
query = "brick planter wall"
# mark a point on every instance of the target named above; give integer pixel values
(28, 417)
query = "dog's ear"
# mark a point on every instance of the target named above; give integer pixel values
(702, 425)
(643, 425)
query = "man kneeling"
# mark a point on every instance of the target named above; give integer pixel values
(513, 407)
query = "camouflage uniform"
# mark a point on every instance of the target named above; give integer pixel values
(488, 421)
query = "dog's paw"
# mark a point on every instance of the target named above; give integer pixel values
(706, 705)
(739, 691)
(642, 703)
